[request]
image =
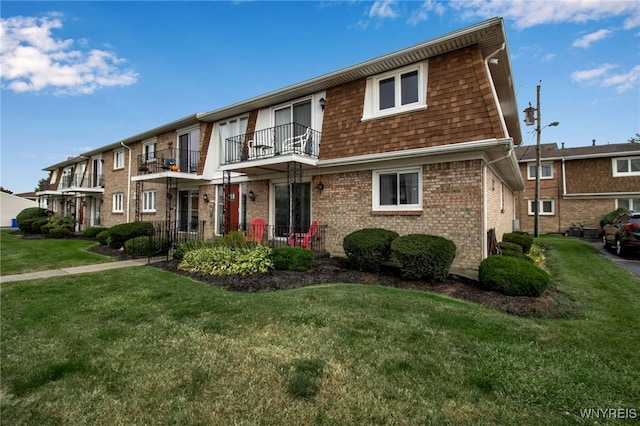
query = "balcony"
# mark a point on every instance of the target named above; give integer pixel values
(80, 183)
(268, 148)
(178, 163)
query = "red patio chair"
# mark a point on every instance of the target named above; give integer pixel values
(256, 230)
(303, 238)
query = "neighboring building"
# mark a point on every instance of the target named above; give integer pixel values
(578, 185)
(10, 206)
(417, 141)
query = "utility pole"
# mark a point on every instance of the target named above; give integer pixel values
(532, 115)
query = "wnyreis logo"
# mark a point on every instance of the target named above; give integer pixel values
(608, 413)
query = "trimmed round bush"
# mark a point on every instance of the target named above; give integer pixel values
(512, 276)
(522, 239)
(146, 246)
(93, 231)
(367, 248)
(292, 258)
(125, 231)
(28, 216)
(59, 232)
(103, 237)
(423, 257)
(510, 249)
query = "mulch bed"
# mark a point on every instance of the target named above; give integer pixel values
(553, 304)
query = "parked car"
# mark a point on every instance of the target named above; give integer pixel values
(623, 233)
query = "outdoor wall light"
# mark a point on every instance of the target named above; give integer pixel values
(252, 196)
(322, 103)
(320, 186)
(205, 197)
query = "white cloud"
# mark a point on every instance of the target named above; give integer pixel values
(33, 60)
(383, 9)
(587, 40)
(602, 76)
(422, 13)
(625, 81)
(526, 13)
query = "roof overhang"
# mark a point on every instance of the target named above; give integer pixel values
(489, 35)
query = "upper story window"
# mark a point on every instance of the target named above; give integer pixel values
(546, 171)
(149, 151)
(394, 92)
(397, 189)
(629, 166)
(118, 159)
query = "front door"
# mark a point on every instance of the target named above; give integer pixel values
(188, 211)
(292, 208)
(232, 220)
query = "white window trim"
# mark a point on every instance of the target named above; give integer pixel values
(371, 97)
(145, 144)
(542, 164)
(542, 213)
(634, 206)
(614, 167)
(118, 202)
(375, 185)
(149, 201)
(116, 153)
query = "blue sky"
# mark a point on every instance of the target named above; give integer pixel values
(80, 75)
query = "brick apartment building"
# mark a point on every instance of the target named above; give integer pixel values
(578, 185)
(418, 141)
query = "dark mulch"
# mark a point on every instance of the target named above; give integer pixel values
(553, 304)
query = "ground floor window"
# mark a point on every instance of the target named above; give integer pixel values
(397, 189)
(118, 202)
(149, 201)
(628, 203)
(547, 207)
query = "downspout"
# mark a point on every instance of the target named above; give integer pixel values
(484, 167)
(128, 182)
(484, 197)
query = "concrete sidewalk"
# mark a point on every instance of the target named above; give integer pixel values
(74, 270)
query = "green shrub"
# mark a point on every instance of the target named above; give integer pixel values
(33, 225)
(608, 218)
(292, 258)
(28, 216)
(59, 232)
(512, 276)
(58, 222)
(236, 240)
(521, 238)
(93, 231)
(225, 261)
(182, 248)
(103, 237)
(423, 257)
(510, 249)
(146, 246)
(125, 231)
(367, 248)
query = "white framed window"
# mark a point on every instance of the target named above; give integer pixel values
(397, 189)
(149, 151)
(118, 202)
(547, 207)
(398, 91)
(629, 166)
(149, 201)
(546, 171)
(118, 159)
(628, 203)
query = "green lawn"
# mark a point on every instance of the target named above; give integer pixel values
(18, 255)
(143, 346)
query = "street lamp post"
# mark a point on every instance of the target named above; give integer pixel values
(532, 115)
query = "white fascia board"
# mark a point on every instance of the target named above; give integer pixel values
(587, 195)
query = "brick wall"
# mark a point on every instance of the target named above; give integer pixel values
(596, 175)
(452, 208)
(460, 109)
(500, 205)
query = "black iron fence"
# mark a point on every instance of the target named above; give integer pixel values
(291, 138)
(281, 236)
(169, 160)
